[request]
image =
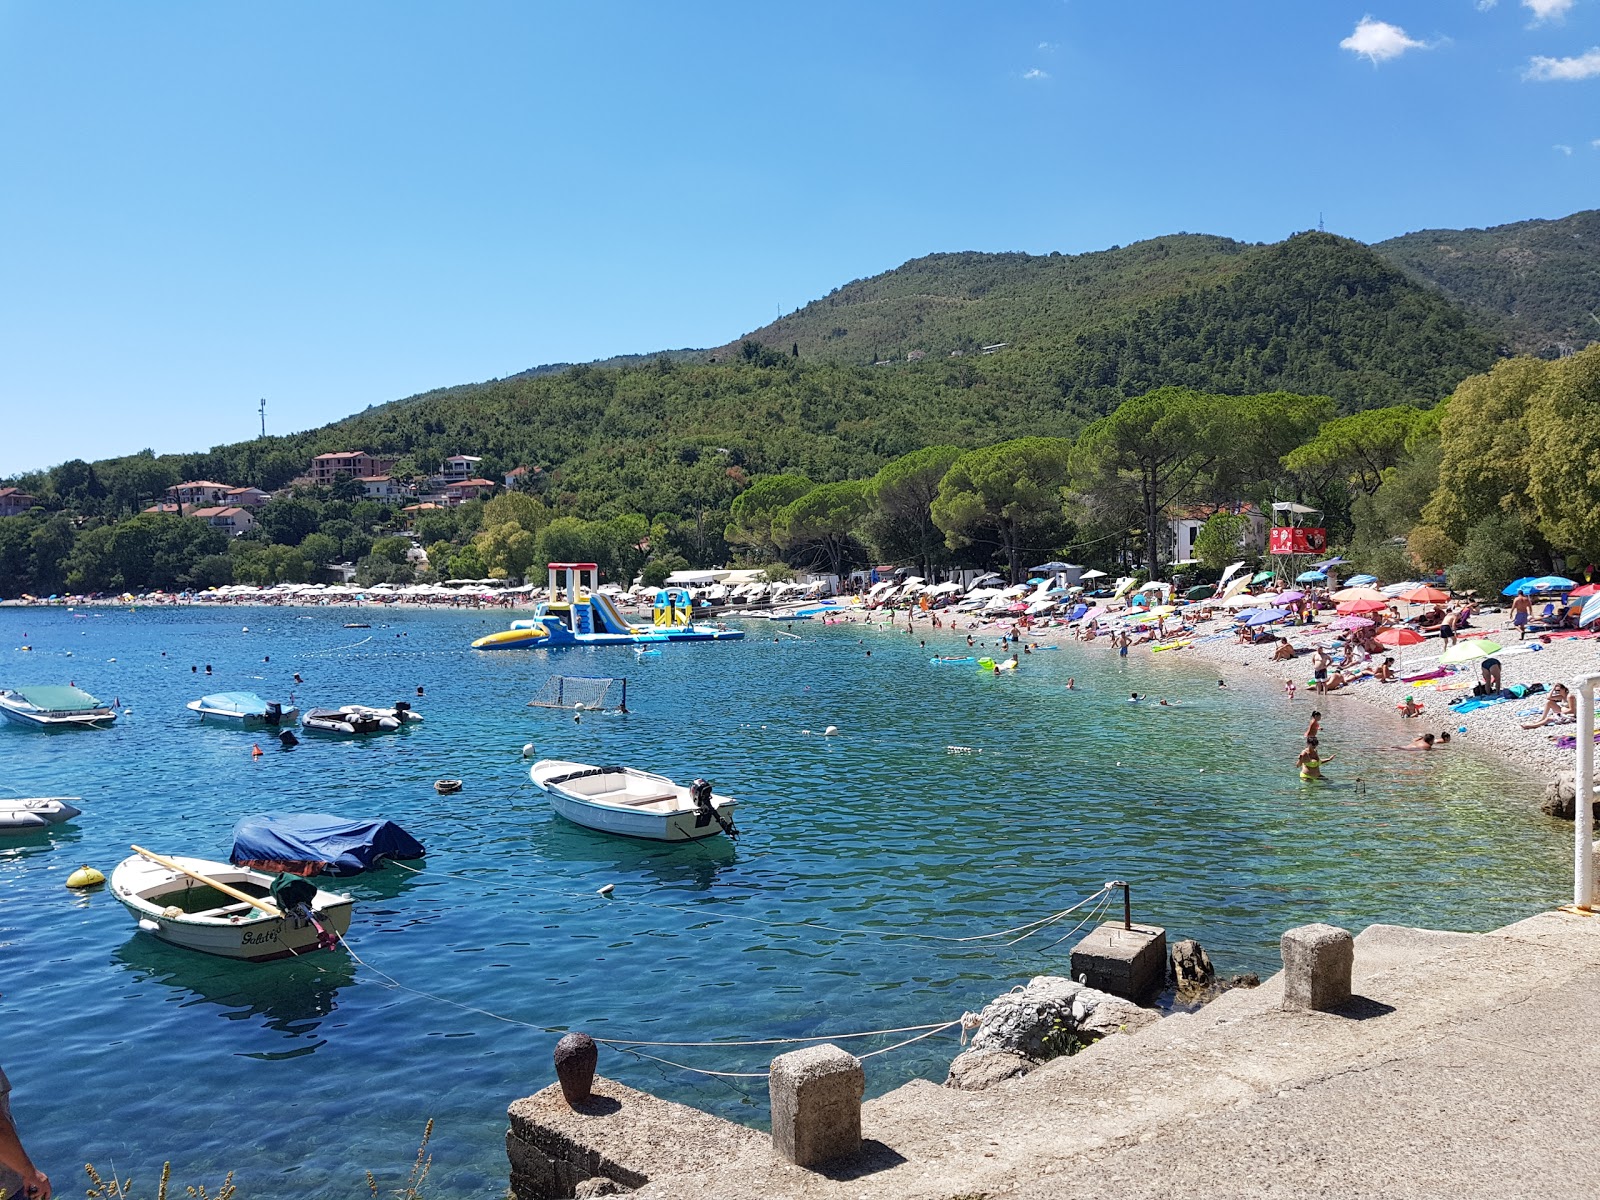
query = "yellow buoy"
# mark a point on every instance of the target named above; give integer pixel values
(85, 877)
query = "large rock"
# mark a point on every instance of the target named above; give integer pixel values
(1560, 798)
(974, 1070)
(1053, 1016)
(1191, 967)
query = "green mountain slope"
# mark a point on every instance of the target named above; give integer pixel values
(961, 302)
(1535, 282)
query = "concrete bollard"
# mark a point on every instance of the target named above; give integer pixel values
(816, 1104)
(1316, 966)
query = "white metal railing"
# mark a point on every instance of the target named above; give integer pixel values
(1583, 797)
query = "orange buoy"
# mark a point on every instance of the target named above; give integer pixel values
(256, 752)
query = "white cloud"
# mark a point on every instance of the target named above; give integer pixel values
(1035, 73)
(1379, 41)
(1563, 70)
(1547, 10)
(1049, 47)
(1486, 5)
(1560, 149)
(1595, 144)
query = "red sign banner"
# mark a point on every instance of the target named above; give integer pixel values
(1297, 539)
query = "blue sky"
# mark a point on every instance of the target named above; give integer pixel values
(333, 205)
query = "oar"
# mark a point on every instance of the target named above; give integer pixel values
(174, 865)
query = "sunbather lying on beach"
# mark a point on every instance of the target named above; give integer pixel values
(1560, 708)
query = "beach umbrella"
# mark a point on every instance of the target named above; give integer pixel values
(1290, 597)
(1514, 588)
(1425, 595)
(1237, 586)
(1050, 568)
(1551, 583)
(1591, 610)
(1241, 601)
(1261, 577)
(1093, 575)
(1362, 580)
(1328, 562)
(1399, 635)
(1357, 593)
(1311, 577)
(1094, 614)
(1467, 651)
(1361, 606)
(1353, 622)
(1264, 616)
(1588, 589)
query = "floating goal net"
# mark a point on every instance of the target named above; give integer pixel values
(581, 692)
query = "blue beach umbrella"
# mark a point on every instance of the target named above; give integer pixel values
(1361, 580)
(1264, 616)
(1326, 563)
(1516, 585)
(1311, 577)
(1551, 583)
(1591, 610)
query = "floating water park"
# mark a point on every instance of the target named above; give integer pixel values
(587, 618)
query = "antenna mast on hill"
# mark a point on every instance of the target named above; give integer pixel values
(1321, 228)
(263, 416)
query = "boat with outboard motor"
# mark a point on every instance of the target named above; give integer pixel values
(319, 844)
(229, 911)
(352, 719)
(31, 814)
(633, 803)
(247, 708)
(55, 708)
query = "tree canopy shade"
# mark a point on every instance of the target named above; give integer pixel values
(1012, 493)
(1564, 453)
(753, 509)
(818, 528)
(1161, 444)
(1358, 448)
(901, 495)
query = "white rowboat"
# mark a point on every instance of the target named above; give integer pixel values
(178, 907)
(247, 708)
(632, 803)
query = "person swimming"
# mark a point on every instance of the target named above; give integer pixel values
(1311, 760)
(1134, 697)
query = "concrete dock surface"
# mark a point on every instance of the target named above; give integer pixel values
(1465, 1064)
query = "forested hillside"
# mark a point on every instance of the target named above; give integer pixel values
(1535, 282)
(658, 453)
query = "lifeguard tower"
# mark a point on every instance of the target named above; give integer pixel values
(1297, 537)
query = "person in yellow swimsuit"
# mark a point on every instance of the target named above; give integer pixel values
(1311, 760)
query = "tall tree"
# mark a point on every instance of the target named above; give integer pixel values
(1359, 448)
(901, 495)
(1564, 454)
(1010, 492)
(818, 529)
(750, 523)
(1162, 443)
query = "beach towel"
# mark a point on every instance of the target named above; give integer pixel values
(1436, 673)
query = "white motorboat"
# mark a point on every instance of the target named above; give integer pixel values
(220, 909)
(55, 708)
(633, 803)
(351, 719)
(247, 708)
(35, 813)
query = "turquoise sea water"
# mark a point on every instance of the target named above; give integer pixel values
(301, 1075)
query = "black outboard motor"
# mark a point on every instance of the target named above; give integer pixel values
(274, 714)
(287, 739)
(705, 811)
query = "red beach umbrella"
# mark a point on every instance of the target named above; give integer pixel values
(1588, 589)
(1399, 635)
(1425, 595)
(1361, 606)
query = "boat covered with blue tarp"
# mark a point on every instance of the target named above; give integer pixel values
(318, 844)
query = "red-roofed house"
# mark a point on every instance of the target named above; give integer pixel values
(201, 491)
(247, 497)
(357, 464)
(232, 519)
(1187, 523)
(14, 502)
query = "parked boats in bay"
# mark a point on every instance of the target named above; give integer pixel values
(31, 814)
(349, 720)
(245, 708)
(633, 803)
(232, 912)
(55, 708)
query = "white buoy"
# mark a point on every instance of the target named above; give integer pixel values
(606, 889)
(830, 731)
(527, 751)
(246, 629)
